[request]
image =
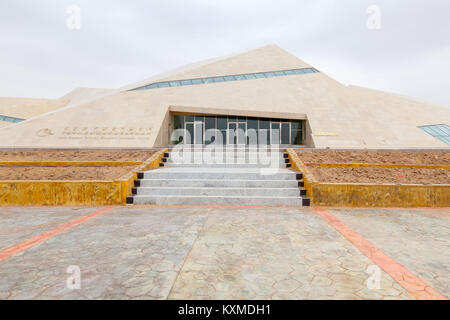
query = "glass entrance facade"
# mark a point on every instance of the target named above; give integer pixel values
(233, 130)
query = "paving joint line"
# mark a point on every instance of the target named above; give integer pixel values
(188, 255)
(33, 241)
(411, 283)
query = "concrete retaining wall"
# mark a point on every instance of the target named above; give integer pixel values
(371, 195)
(74, 193)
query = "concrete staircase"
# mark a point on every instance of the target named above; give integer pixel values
(243, 176)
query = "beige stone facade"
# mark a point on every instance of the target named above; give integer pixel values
(334, 115)
(26, 108)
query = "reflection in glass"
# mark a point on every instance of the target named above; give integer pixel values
(285, 133)
(198, 133)
(275, 133)
(189, 138)
(296, 137)
(221, 78)
(264, 136)
(242, 128)
(264, 123)
(232, 133)
(221, 122)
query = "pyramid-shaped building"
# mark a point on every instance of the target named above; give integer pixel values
(263, 96)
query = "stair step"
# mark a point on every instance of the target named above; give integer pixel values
(214, 191)
(231, 176)
(226, 149)
(220, 173)
(227, 165)
(218, 200)
(225, 156)
(224, 183)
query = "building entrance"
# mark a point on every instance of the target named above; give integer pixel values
(232, 130)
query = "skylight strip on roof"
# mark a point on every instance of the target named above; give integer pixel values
(237, 77)
(10, 119)
(438, 131)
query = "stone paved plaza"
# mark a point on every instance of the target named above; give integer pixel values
(219, 253)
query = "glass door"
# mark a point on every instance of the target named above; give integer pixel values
(237, 133)
(189, 134)
(275, 133)
(241, 134)
(194, 132)
(285, 133)
(231, 133)
(198, 132)
(236, 130)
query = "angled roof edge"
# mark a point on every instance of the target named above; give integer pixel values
(183, 68)
(79, 95)
(155, 78)
(399, 95)
(188, 67)
(191, 67)
(69, 105)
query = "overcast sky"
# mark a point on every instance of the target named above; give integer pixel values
(121, 42)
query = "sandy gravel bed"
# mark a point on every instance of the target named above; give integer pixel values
(381, 175)
(76, 155)
(361, 156)
(63, 173)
